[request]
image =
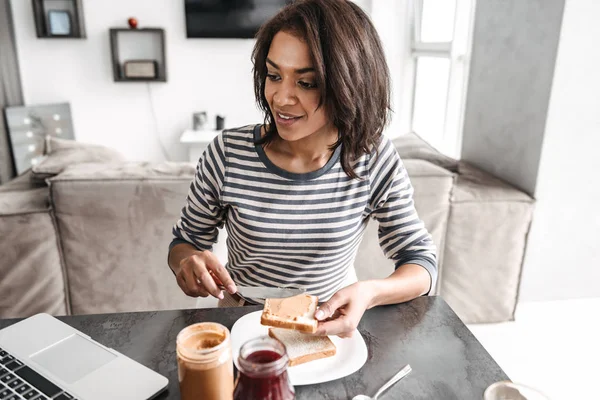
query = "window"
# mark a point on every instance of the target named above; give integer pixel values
(440, 45)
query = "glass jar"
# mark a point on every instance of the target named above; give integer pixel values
(263, 372)
(204, 361)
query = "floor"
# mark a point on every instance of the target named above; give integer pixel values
(551, 346)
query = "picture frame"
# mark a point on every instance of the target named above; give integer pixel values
(60, 23)
(140, 69)
(28, 127)
(199, 120)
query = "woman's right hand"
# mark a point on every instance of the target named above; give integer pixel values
(201, 273)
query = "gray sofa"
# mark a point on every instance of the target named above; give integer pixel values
(80, 237)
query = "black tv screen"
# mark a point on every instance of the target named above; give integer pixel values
(228, 18)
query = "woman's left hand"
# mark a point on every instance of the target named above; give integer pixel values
(342, 313)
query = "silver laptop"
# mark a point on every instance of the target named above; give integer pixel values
(44, 358)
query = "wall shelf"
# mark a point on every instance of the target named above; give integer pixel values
(59, 19)
(197, 141)
(145, 48)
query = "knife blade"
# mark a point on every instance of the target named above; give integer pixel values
(264, 292)
(260, 292)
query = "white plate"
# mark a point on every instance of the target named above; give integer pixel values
(350, 356)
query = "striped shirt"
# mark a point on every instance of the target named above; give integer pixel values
(300, 229)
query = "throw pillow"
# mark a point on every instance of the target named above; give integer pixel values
(414, 146)
(62, 153)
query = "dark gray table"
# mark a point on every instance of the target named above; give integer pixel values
(447, 361)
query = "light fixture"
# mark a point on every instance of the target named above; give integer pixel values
(29, 134)
(31, 148)
(27, 121)
(58, 131)
(34, 161)
(56, 117)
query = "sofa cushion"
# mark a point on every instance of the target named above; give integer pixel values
(115, 226)
(61, 153)
(129, 171)
(473, 184)
(31, 277)
(412, 146)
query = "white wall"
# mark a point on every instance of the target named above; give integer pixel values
(563, 256)
(211, 75)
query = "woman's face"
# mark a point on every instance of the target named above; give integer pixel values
(291, 90)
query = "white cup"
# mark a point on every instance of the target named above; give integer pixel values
(506, 390)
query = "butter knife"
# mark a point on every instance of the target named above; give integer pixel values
(260, 292)
(264, 292)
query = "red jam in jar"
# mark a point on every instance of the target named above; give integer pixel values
(263, 373)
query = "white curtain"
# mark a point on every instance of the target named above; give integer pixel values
(10, 86)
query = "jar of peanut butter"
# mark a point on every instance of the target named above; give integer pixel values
(205, 366)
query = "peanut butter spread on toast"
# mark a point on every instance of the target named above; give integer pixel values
(290, 307)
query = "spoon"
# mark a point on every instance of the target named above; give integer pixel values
(401, 374)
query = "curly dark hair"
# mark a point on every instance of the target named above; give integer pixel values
(352, 75)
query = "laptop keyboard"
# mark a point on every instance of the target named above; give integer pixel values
(19, 382)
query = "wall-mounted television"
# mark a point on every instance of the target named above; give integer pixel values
(228, 18)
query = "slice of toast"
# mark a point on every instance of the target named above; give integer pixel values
(296, 312)
(302, 348)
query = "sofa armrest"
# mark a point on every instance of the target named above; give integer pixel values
(487, 235)
(31, 274)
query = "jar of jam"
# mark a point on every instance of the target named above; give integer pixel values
(204, 361)
(263, 372)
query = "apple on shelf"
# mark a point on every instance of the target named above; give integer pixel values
(133, 23)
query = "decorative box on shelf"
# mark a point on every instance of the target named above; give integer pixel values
(138, 54)
(197, 141)
(59, 19)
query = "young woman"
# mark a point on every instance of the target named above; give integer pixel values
(296, 192)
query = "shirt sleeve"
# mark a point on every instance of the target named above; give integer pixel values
(402, 234)
(203, 212)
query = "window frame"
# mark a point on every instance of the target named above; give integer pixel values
(458, 51)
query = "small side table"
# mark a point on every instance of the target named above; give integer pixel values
(197, 141)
